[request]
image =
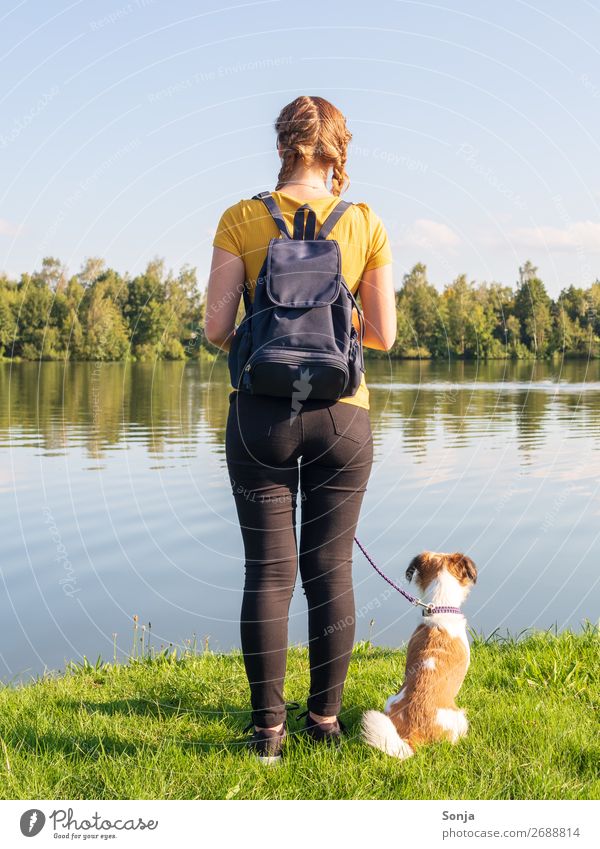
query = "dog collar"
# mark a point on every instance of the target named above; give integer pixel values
(432, 609)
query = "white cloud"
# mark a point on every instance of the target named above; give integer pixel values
(579, 235)
(426, 233)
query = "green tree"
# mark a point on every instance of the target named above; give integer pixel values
(71, 333)
(92, 269)
(481, 323)
(532, 308)
(419, 300)
(459, 301)
(52, 275)
(145, 308)
(7, 321)
(568, 336)
(106, 334)
(34, 307)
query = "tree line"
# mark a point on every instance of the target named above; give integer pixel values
(99, 314)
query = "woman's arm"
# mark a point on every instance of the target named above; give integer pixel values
(225, 286)
(378, 301)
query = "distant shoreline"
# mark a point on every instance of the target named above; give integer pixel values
(100, 315)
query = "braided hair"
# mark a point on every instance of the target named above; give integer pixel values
(312, 130)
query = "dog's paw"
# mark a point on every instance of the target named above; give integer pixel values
(454, 722)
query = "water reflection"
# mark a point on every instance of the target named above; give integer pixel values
(115, 501)
(169, 407)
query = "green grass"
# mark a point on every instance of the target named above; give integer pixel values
(169, 726)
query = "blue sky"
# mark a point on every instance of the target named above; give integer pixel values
(127, 127)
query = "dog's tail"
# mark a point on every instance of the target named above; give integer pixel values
(379, 731)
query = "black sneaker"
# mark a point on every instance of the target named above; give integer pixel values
(266, 744)
(329, 733)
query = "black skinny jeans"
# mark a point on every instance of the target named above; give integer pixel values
(265, 439)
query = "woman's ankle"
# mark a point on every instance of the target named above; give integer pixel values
(323, 720)
(269, 728)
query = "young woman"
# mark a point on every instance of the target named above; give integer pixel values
(325, 449)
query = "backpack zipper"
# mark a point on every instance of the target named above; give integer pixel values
(295, 359)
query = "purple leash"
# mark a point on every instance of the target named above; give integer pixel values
(429, 609)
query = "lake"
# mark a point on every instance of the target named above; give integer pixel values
(115, 502)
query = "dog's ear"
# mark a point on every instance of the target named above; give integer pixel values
(414, 566)
(466, 568)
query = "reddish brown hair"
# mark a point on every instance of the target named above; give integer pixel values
(312, 130)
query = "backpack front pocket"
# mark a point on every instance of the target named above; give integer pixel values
(305, 375)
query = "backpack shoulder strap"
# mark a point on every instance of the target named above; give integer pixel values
(269, 201)
(333, 218)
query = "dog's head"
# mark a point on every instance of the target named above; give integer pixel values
(429, 565)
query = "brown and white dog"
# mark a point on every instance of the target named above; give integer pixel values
(437, 660)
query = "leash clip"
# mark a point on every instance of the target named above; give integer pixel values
(428, 607)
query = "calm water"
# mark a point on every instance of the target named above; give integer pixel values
(114, 500)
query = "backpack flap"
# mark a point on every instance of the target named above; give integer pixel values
(303, 274)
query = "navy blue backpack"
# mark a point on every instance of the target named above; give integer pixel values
(297, 339)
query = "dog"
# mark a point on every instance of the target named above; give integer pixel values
(437, 660)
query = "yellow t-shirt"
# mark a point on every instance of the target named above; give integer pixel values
(246, 228)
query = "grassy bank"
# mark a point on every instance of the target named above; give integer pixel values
(170, 726)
